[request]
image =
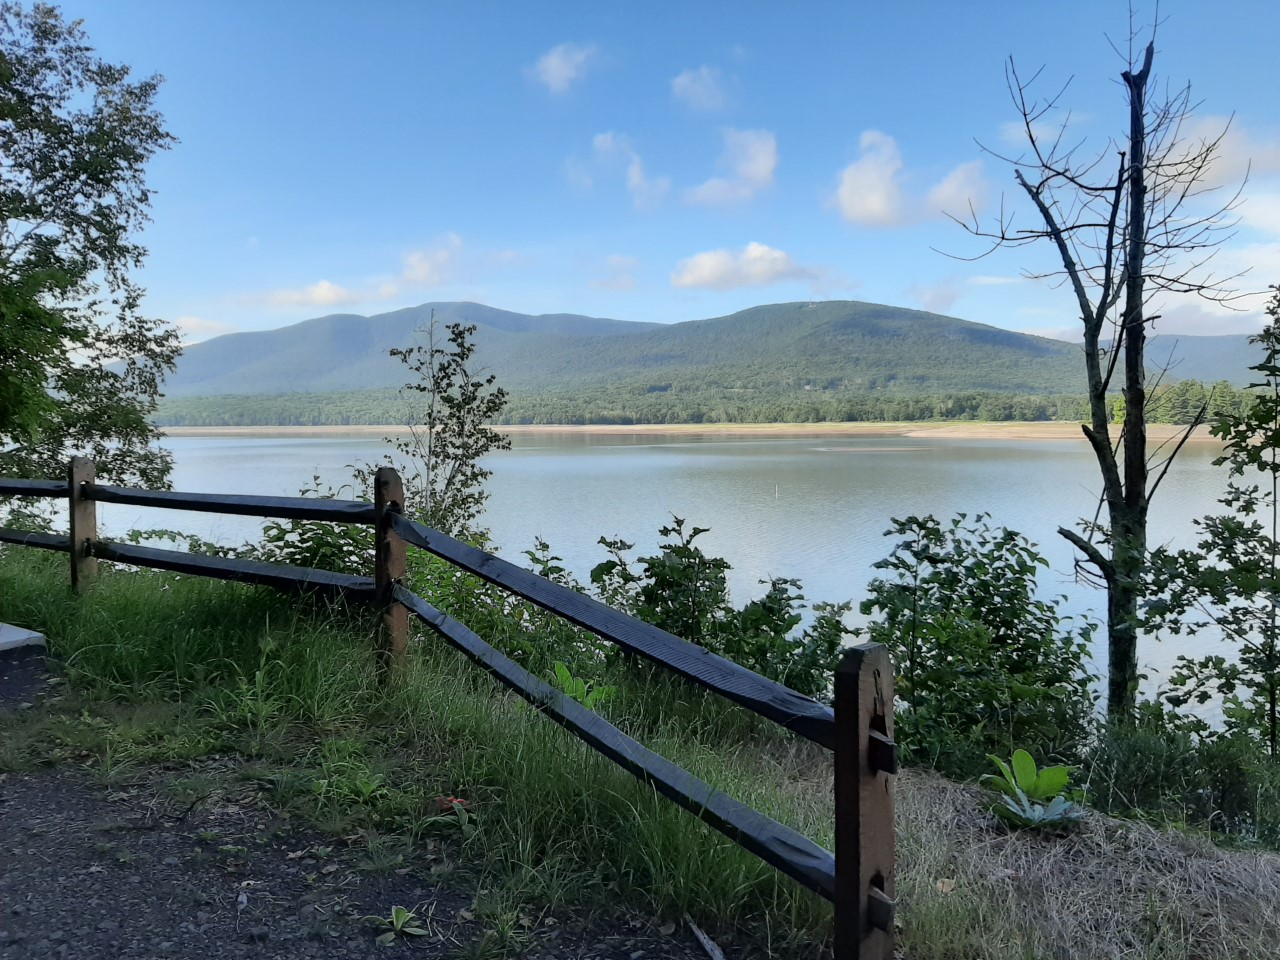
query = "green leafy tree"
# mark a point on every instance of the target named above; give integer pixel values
(1230, 582)
(981, 665)
(80, 366)
(450, 429)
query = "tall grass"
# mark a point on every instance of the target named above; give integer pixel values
(169, 667)
(282, 678)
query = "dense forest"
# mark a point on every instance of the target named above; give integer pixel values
(689, 402)
(848, 345)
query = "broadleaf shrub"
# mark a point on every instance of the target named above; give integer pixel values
(981, 665)
(685, 592)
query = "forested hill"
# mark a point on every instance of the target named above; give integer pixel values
(827, 345)
(344, 352)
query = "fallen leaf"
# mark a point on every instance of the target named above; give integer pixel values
(464, 915)
(946, 885)
(667, 929)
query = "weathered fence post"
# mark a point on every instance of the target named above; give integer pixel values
(390, 567)
(83, 523)
(866, 758)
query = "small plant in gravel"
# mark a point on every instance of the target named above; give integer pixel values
(382, 854)
(401, 922)
(1032, 798)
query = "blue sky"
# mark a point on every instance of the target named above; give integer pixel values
(656, 161)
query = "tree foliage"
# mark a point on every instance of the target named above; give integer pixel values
(80, 366)
(449, 427)
(1230, 583)
(685, 592)
(981, 665)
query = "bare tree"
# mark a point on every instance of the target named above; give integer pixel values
(1130, 223)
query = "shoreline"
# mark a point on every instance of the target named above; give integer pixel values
(942, 430)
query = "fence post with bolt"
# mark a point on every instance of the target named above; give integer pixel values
(866, 761)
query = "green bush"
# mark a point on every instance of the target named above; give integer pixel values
(685, 592)
(982, 666)
(1159, 768)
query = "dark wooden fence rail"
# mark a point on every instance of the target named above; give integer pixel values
(858, 878)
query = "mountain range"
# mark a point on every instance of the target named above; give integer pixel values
(824, 345)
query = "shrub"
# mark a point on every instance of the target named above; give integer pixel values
(982, 666)
(685, 592)
(1160, 768)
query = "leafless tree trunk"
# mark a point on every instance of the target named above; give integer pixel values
(1122, 239)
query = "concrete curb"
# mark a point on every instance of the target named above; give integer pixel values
(12, 637)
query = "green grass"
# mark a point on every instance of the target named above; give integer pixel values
(167, 667)
(279, 696)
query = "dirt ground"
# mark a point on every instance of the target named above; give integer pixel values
(139, 866)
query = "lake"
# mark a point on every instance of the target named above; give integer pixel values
(813, 509)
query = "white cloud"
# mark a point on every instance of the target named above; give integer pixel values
(194, 329)
(963, 188)
(755, 265)
(646, 192)
(1196, 317)
(559, 67)
(1066, 334)
(936, 297)
(621, 273)
(425, 267)
(869, 193)
(701, 89)
(1014, 133)
(750, 157)
(1240, 149)
(1188, 315)
(430, 267)
(579, 175)
(509, 258)
(1260, 209)
(321, 294)
(993, 281)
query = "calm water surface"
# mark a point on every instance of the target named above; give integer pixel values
(812, 509)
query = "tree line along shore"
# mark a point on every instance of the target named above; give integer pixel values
(942, 430)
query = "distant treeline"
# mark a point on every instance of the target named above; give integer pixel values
(659, 403)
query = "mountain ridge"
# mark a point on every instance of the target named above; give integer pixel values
(851, 346)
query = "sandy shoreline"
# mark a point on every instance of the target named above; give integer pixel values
(951, 430)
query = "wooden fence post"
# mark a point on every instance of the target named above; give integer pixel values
(83, 523)
(866, 758)
(390, 568)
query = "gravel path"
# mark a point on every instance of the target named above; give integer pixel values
(23, 678)
(88, 872)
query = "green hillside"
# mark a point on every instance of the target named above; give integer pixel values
(830, 360)
(344, 352)
(830, 345)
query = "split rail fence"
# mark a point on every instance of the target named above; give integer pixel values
(858, 878)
